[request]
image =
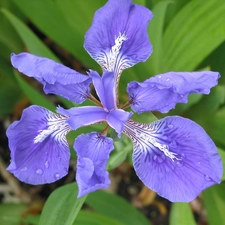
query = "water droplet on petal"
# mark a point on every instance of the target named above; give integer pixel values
(182, 156)
(159, 76)
(24, 169)
(59, 158)
(47, 164)
(207, 177)
(159, 158)
(57, 176)
(198, 163)
(173, 144)
(167, 79)
(179, 163)
(170, 126)
(39, 171)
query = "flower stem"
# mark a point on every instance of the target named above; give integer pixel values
(126, 105)
(105, 131)
(94, 100)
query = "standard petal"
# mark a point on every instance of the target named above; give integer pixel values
(83, 116)
(118, 36)
(56, 78)
(105, 88)
(93, 151)
(174, 157)
(39, 150)
(163, 92)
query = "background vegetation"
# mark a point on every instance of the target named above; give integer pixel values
(187, 35)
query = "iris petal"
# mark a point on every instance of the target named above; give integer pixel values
(117, 118)
(93, 151)
(83, 116)
(118, 38)
(105, 88)
(39, 150)
(163, 92)
(174, 157)
(56, 78)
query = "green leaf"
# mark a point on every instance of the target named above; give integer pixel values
(181, 214)
(10, 214)
(32, 42)
(34, 96)
(214, 201)
(155, 32)
(193, 34)
(91, 218)
(211, 106)
(62, 206)
(9, 40)
(115, 207)
(222, 155)
(122, 147)
(73, 19)
(10, 93)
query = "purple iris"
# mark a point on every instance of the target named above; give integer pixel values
(173, 156)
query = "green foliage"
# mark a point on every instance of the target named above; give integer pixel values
(214, 201)
(115, 207)
(62, 206)
(10, 214)
(186, 35)
(181, 214)
(91, 218)
(34, 96)
(193, 34)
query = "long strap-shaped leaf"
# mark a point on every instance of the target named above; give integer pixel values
(193, 34)
(62, 206)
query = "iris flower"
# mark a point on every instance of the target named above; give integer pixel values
(173, 156)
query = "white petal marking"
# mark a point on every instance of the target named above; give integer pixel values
(56, 126)
(142, 135)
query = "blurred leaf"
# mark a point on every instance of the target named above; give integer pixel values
(31, 220)
(193, 34)
(181, 108)
(73, 19)
(210, 103)
(34, 96)
(214, 201)
(91, 218)
(209, 112)
(121, 149)
(10, 214)
(115, 207)
(62, 206)
(222, 155)
(146, 117)
(9, 40)
(216, 62)
(140, 2)
(155, 32)
(10, 93)
(32, 42)
(216, 127)
(181, 214)
(174, 8)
